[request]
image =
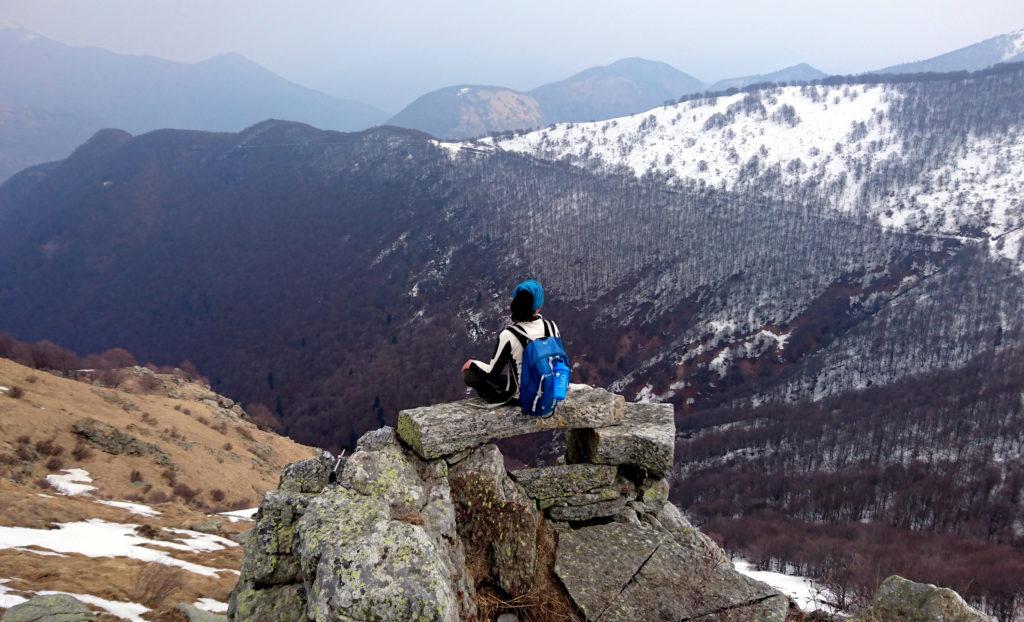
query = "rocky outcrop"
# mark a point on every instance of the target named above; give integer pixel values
(382, 546)
(426, 524)
(49, 608)
(114, 441)
(901, 600)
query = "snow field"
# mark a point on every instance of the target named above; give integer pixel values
(71, 482)
(804, 592)
(98, 538)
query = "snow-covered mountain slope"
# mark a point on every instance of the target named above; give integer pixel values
(1006, 48)
(857, 148)
(722, 141)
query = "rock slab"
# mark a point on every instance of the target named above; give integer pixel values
(49, 608)
(645, 438)
(445, 429)
(659, 569)
(902, 600)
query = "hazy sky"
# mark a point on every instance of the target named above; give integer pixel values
(387, 52)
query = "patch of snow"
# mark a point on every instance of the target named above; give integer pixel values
(134, 508)
(98, 538)
(116, 608)
(804, 592)
(452, 149)
(203, 542)
(1014, 44)
(236, 515)
(720, 364)
(211, 605)
(646, 394)
(7, 599)
(42, 552)
(463, 91)
(71, 482)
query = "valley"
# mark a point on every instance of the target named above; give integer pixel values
(823, 275)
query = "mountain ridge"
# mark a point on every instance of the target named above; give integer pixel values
(627, 85)
(1004, 48)
(57, 94)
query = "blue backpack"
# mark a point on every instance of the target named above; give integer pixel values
(545, 372)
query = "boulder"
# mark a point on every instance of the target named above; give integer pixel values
(645, 438)
(596, 563)
(444, 429)
(211, 525)
(382, 545)
(496, 517)
(623, 571)
(899, 599)
(309, 476)
(49, 608)
(195, 614)
(359, 563)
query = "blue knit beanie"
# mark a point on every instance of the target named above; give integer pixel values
(535, 289)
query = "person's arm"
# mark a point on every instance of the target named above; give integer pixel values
(502, 355)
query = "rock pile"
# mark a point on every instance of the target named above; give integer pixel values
(425, 523)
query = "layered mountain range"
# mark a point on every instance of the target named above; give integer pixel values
(54, 96)
(839, 251)
(623, 87)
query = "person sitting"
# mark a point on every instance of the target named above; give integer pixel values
(498, 380)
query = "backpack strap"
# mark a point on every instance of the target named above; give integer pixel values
(520, 334)
(548, 331)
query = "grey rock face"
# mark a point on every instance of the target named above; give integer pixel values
(52, 608)
(278, 603)
(310, 476)
(588, 511)
(496, 516)
(444, 429)
(899, 599)
(564, 480)
(384, 546)
(359, 563)
(270, 550)
(596, 563)
(624, 571)
(645, 438)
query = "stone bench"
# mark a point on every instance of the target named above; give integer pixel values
(445, 429)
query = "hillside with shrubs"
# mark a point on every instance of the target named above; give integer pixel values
(130, 485)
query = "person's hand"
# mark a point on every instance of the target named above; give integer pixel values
(466, 365)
